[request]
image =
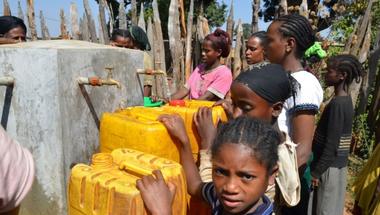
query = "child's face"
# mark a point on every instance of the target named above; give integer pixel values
(255, 52)
(209, 54)
(246, 102)
(333, 77)
(277, 44)
(240, 180)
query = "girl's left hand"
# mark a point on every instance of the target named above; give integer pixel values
(205, 126)
(157, 196)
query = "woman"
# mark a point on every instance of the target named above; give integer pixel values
(135, 38)
(12, 30)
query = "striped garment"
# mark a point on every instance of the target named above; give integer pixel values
(209, 195)
(332, 138)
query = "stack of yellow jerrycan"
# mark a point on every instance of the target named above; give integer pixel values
(137, 128)
(108, 185)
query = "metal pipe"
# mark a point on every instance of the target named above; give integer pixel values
(7, 81)
(96, 81)
(167, 94)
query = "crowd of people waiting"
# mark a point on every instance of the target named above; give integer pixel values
(269, 157)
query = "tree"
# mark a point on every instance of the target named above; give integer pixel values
(326, 10)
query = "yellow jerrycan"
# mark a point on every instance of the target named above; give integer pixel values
(108, 185)
(137, 128)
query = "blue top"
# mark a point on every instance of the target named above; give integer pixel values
(209, 194)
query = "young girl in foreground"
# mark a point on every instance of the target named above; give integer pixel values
(210, 80)
(244, 161)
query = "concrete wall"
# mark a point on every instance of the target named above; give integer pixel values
(49, 115)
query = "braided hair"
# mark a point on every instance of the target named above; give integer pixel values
(260, 137)
(298, 27)
(220, 40)
(348, 64)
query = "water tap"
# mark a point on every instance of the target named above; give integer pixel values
(96, 81)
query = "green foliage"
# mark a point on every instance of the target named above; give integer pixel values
(361, 135)
(247, 30)
(343, 27)
(269, 9)
(216, 14)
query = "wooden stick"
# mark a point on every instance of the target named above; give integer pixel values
(75, 32)
(141, 22)
(150, 34)
(364, 89)
(230, 31)
(237, 60)
(90, 21)
(102, 23)
(362, 29)
(64, 34)
(159, 49)
(188, 40)
(20, 12)
(134, 12)
(255, 15)
(44, 30)
(347, 47)
(32, 24)
(122, 16)
(84, 27)
(182, 14)
(244, 48)
(7, 10)
(176, 48)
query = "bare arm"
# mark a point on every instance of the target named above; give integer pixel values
(175, 126)
(209, 96)
(302, 134)
(180, 94)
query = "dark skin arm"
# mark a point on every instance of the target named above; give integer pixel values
(157, 195)
(183, 92)
(180, 94)
(176, 127)
(303, 124)
(209, 96)
(205, 126)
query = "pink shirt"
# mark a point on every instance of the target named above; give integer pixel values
(218, 81)
(16, 172)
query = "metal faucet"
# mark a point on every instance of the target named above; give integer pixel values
(96, 81)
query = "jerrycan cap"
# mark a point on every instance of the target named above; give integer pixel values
(180, 103)
(101, 160)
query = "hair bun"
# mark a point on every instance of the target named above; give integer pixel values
(220, 33)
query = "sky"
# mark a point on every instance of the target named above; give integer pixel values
(51, 9)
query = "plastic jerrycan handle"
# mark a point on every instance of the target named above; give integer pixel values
(130, 167)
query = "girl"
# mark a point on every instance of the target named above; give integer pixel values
(243, 165)
(210, 80)
(288, 38)
(255, 49)
(12, 29)
(332, 140)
